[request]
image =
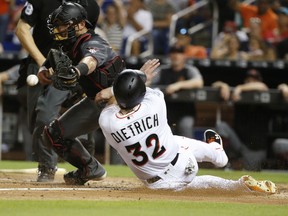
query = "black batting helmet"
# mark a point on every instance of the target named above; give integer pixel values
(129, 88)
(69, 14)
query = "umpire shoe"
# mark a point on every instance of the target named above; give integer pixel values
(79, 177)
(212, 136)
(46, 174)
(264, 186)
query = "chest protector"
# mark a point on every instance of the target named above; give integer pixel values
(103, 76)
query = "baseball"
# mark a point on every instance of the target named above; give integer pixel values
(32, 80)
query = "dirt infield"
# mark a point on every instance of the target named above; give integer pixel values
(16, 186)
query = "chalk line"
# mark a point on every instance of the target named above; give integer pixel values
(49, 189)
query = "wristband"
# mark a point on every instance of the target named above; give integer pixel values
(83, 68)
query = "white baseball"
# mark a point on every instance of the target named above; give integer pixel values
(32, 80)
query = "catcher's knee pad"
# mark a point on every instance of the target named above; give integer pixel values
(53, 135)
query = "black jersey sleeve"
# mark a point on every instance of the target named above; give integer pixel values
(99, 49)
(31, 12)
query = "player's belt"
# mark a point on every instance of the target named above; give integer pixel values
(157, 178)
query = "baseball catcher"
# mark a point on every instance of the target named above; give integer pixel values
(87, 64)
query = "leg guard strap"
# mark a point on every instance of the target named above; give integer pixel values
(53, 135)
(71, 150)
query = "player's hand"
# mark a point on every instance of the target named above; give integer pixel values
(44, 75)
(104, 96)
(149, 68)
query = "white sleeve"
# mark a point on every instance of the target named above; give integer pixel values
(156, 92)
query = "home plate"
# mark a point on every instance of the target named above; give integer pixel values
(29, 171)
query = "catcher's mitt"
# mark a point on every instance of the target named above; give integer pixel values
(65, 75)
(66, 78)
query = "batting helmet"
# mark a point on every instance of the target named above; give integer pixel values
(68, 14)
(129, 88)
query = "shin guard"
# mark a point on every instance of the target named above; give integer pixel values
(71, 150)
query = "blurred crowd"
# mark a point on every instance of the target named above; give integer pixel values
(258, 31)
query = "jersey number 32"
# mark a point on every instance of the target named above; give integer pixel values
(136, 149)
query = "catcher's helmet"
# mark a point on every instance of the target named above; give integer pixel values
(92, 8)
(68, 14)
(129, 88)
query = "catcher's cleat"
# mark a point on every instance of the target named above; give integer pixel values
(264, 186)
(78, 177)
(46, 174)
(212, 136)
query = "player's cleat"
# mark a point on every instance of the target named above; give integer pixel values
(78, 177)
(212, 136)
(259, 186)
(46, 174)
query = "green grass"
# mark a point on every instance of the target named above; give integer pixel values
(127, 208)
(113, 171)
(124, 171)
(140, 207)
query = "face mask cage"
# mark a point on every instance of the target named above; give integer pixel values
(64, 34)
(61, 31)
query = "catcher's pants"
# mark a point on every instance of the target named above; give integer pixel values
(62, 133)
(81, 118)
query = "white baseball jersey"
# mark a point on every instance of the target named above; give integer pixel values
(143, 138)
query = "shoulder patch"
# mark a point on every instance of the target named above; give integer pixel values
(29, 9)
(92, 49)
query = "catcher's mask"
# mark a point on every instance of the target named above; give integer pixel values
(129, 88)
(63, 20)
